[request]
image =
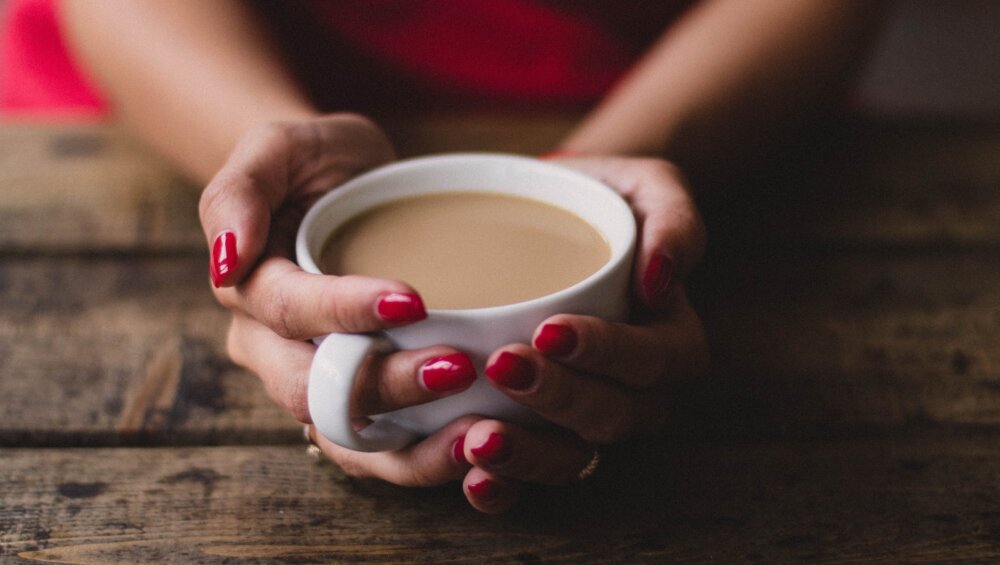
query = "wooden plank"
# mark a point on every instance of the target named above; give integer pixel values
(108, 349)
(868, 501)
(101, 349)
(94, 187)
(855, 335)
(863, 185)
(806, 343)
(70, 188)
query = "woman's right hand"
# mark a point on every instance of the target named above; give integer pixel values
(250, 212)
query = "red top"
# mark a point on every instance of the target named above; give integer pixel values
(499, 50)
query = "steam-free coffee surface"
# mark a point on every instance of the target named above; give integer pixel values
(469, 249)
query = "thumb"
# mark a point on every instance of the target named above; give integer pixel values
(268, 164)
(237, 204)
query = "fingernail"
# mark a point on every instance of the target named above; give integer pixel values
(401, 307)
(485, 490)
(656, 278)
(448, 372)
(224, 258)
(510, 371)
(494, 449)
(458, 451)
(555, 339)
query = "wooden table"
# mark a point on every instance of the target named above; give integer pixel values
(852, 416)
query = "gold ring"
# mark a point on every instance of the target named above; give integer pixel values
(590, 468)
(313, 451)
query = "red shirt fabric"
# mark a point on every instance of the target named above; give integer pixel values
(527, 51)
(38, 77)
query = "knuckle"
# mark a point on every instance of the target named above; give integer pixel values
(270, 134)
(379, 148)
(343, 316)
(278, 315)
(660, 171)
(211, 200)
(661, 167)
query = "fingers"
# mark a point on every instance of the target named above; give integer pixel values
(671, 232)
(237, 204)
(278, 164)
(282, 365)
(384, 384)
(430, 462)
(604, 381)
(300, 305)
(552, 457)
(434, 461)
(598, 409)
(639, 357)
(490, 493)
(413, 377)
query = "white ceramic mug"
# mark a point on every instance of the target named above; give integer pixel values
(477, 331)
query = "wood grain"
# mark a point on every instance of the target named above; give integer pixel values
(86, 188)
(105, 349)
(819, 330)
(929, 500)
(90, 188)
(807, 344)
(852, 293)
(801, 345)
(894, 184)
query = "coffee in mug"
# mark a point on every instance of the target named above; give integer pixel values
(533, 199)
(468, 249)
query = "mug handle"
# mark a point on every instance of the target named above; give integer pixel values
(331, 381)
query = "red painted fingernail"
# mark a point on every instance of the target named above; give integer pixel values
(458, 451)
(224, 258)
(401, 307)
(656, 278)
(448, 372)
(485, 490)
(510, 371)
(555, 339)
(494, 449)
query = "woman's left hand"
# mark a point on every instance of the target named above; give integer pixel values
(600, 381)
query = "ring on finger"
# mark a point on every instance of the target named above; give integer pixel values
(590, 468)
(313, 451)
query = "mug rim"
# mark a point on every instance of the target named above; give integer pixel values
(308, 263)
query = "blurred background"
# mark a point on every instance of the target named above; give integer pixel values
(935, 59)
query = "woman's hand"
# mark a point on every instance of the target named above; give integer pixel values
(601, 382)
(250, 212)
